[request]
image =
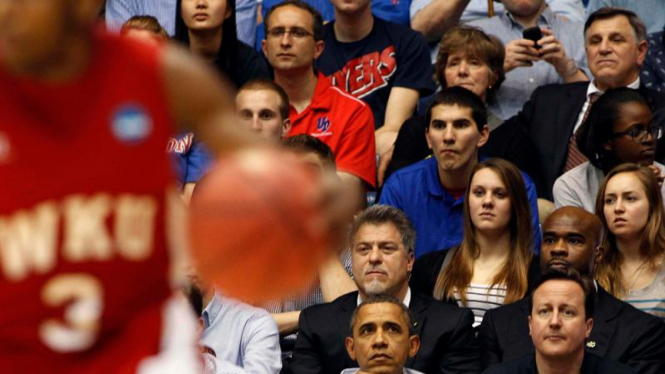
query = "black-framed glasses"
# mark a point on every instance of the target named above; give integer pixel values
(640, 134)
(296, 32)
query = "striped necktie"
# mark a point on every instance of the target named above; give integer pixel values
(575, 157)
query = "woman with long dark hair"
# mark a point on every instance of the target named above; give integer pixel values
(208, 28)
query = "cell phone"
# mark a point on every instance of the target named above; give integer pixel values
(533, 33)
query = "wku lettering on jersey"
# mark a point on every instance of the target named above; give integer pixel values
(364, 75)
(180, 145)
(29, 239)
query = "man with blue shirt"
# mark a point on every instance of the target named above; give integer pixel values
(234, 332)
(431, 192)
(558, 57)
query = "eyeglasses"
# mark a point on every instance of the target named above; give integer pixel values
(640, 134)
(296, 32)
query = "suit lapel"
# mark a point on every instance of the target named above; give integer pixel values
(605, 324)
(342, 321)
(418, 307)
(569, 111)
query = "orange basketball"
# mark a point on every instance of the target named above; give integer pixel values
(256, 226)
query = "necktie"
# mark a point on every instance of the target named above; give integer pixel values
(575, 157)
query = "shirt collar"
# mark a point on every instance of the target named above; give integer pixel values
(212, 310)
(320, 98)
(593, 89)
(545, 19)
(406, 301)
(432, 181)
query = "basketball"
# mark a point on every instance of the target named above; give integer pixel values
(257, 226)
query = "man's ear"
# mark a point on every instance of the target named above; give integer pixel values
(588, 326)
(349, 348)
(529, 325)
(414, 345)
(429, 141)
(318, 49)
(642, 49)
(286, 127)
(484, 136)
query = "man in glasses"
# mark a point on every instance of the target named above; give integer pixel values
(294, 33)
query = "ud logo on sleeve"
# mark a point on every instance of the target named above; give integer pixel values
(131, 123)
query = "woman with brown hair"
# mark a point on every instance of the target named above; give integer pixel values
(494, 265)
(630, 206)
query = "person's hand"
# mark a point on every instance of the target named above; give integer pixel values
(553, 52)
(520, 53)
(384, 162)
(660, 177)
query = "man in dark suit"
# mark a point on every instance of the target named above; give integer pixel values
(572, 238)
(382, 242)
(561, 315)
(615, 42)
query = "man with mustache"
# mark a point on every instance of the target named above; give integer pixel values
(572, 238)
(382, 244)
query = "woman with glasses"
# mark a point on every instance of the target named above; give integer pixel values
(208, 28)
(619, 129)
(632, 268)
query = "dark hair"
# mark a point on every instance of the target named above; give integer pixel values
(610, 12)
(608, 271)
(148, 23)
(380, 214)
(456, 277)
(317, 19)
(264, 84)
(227, 56)
(194, 297)
(380, 299)
(569, 274)
(308, 143)
(476, 44)
(461, 97)
(598, 128)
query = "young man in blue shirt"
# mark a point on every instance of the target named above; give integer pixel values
(431, 192)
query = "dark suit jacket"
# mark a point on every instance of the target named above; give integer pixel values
(592, 364)
(620, 333)
(549, 118)
(446, 338)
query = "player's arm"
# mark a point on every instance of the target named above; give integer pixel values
(334, 278)
(435, 17)
(202, 102)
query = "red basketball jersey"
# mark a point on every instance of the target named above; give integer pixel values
(84, 268)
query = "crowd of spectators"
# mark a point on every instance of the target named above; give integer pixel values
(509, 187)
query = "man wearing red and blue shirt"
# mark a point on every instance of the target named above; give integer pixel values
(293, 42)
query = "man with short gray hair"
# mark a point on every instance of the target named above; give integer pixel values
(382, 242)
